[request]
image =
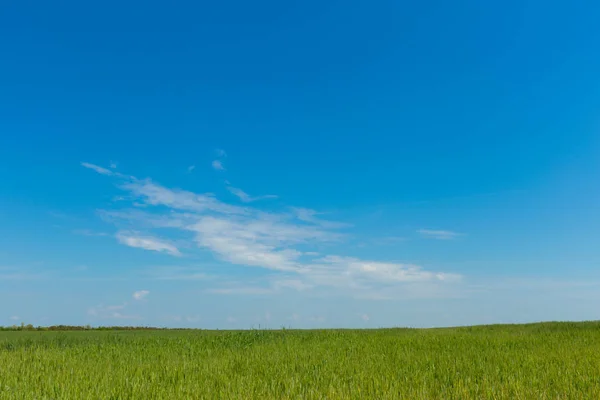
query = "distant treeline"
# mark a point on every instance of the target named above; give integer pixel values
(30, 327)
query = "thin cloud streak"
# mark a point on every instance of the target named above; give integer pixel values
(246, 198)
(147, 243)
(438, 234)
(100, 170)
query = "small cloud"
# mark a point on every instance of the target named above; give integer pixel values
(218, 165)
(147, 243)
(438, 234)
(140, 294)
(246, 198)
(98, 169)
(231, 319)
(220, 153)
(191, 168)
(364, 317)
(88, 232)
(15, 318)
(267, 316)
(113, 164)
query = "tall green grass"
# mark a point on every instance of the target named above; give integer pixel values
(538, 361)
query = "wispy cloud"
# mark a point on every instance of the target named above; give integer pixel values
(140, 294)
(384, 271)
(113, 164)
(15, 318)
(438, 234)
(88, 232)
(280, 242)
(218, 165)
(156, 195)
(310, 216)
(191, 168)
(246, 198)
(98, 169)
(256, 240)
(147, 243)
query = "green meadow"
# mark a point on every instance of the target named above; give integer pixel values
(534, 361)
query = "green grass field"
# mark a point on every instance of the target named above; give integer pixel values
(537, 361)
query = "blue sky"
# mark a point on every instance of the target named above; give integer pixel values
(302, 164)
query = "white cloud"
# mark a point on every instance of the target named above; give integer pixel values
(364, 317)
(98, 169)
(147, 243)
(191, 168)
(279, 242)
(231, 319)
(438, 234)
(384, 272)
(246, 198)
(218, 165)
(15, 318)
(256, 241)
(140, 294)
(113, 164)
